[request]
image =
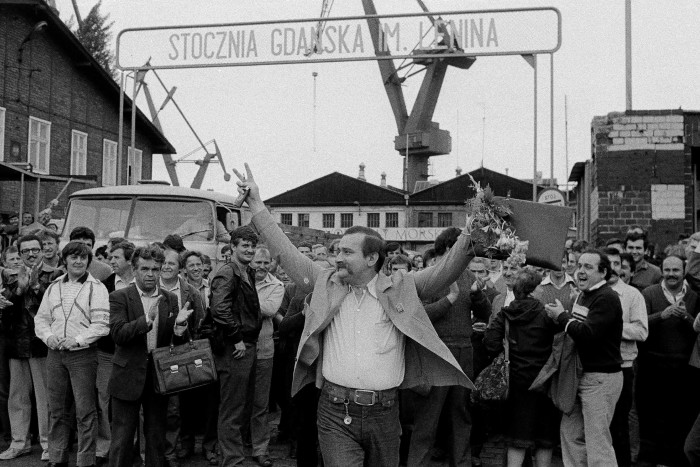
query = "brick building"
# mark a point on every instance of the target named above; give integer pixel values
(59, 114)
(643, 171)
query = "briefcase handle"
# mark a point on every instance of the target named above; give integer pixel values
(172, 343)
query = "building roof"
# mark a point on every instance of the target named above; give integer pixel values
(90, 67)
(337, 189)
(577, 171)
(157, 190)
(457, 190)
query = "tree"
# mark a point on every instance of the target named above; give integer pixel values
(94, 33)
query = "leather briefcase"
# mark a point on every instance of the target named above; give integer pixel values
(181, 367)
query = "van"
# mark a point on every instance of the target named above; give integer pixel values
(150, 212)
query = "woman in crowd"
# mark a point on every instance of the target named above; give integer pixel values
(531, 420)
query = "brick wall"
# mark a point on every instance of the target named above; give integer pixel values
(643, 175)
(51, 83)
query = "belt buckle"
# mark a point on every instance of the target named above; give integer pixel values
(362, 394)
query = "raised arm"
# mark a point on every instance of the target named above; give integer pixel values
(431, 280)
(300, 269)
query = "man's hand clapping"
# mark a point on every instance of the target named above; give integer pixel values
(183, 314)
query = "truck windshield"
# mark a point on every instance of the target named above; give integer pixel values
(106, 217)
(155, 219)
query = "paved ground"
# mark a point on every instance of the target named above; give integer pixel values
(492, 455)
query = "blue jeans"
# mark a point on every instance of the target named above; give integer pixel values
(372, 438)
(72, 372)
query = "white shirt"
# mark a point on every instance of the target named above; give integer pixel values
(510, 296)
(362, 348)
(149, 300)
(120, 283)
(635, 321)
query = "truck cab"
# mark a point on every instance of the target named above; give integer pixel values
(148, 213)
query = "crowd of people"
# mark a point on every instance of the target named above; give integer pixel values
(367, 351)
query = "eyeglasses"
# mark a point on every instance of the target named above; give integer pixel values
(26, 251)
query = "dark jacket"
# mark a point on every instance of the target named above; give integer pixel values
(128, 325)
(18, 320)
(234, 303)
(599, 334)
(530, 336)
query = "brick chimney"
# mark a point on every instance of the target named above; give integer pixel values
(383, 182)
(361, 175)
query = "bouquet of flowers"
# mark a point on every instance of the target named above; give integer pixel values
(488, 224)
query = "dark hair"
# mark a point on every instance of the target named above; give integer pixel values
(630, 260)
(306, 245)
(427, 256)
(392, 246)
(174, 242)
(78, 249)
(400, 259)
(446, 239)
(372, 243)
(613, 241)
(185, 255)
(82, 233)
(46, 234)
(225, 248)
(526, 281)
(579, 246)
(611, 252)
(127, 247)
(244, 233)
(206, 260)
(114, 240)
(28, 238)
(147, 253)
(101, 251)
(683, 236)
(603, 264)
(27, 212)
(8, 250)
(635, 237)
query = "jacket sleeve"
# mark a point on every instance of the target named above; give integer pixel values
(124, 331)
(294, 319)
(430, 281)
(42, 320)
(481, 307)
(438, 309)
(651, 317)
(99, 317)
(601, 315)
(270, 303)
(495, 333)
(300, 269)
(223, 294)
(638, 327)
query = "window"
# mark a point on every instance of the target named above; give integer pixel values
(39, 145)
(303, 220)
(373, 219)
(133, 171)
(286, 218)
(425, 219)
(329, 221)
(2, 133)
(105, 217)
(78, 153)
(444, 219)
(391, 219)
(345, 220)
(158, 218)
(109, 163)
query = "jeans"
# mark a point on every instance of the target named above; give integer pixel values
(620, 427)
(172, 427)
(259, 427)
(585, 434)
(372, 437)
(28, 374)
(104, 371)
(72, 371)
(452, 402)
(306, 431)
(4, 388)
(234, 378)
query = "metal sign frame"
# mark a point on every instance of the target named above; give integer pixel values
(449, 53)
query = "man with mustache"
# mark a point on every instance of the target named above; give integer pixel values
(365, 335)
(667, 385)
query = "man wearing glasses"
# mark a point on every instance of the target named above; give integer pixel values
(27, 353)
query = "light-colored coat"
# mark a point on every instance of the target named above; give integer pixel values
(428, 361)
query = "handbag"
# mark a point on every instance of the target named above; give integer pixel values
(493, 382)
(181, 367)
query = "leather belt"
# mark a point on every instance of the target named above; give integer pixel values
(363, 397)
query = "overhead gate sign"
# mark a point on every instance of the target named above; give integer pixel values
(413, 36)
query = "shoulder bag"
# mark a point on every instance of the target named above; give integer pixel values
(493, 382)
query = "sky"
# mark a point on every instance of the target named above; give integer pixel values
(264, 115)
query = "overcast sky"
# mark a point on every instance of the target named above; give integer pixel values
(264, 115)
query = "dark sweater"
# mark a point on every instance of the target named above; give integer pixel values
(670, 340)
(598, 335)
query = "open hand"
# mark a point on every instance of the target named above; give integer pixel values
(183, 314)
(554, 309)
(153, 311)
(67, 344)
(240, 350)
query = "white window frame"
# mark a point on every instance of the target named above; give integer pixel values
(2, 133)
(134, 166)
(109, 162)
(78, 153)
(31, 145)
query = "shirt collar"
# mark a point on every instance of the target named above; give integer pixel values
(597, 286)
(170, 289)
(667, 291)
(81, 280)
(548, 280)
(155, 293)
(371, 286)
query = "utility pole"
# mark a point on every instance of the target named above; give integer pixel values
(628, 52)
(566, 145)
(314, 74)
